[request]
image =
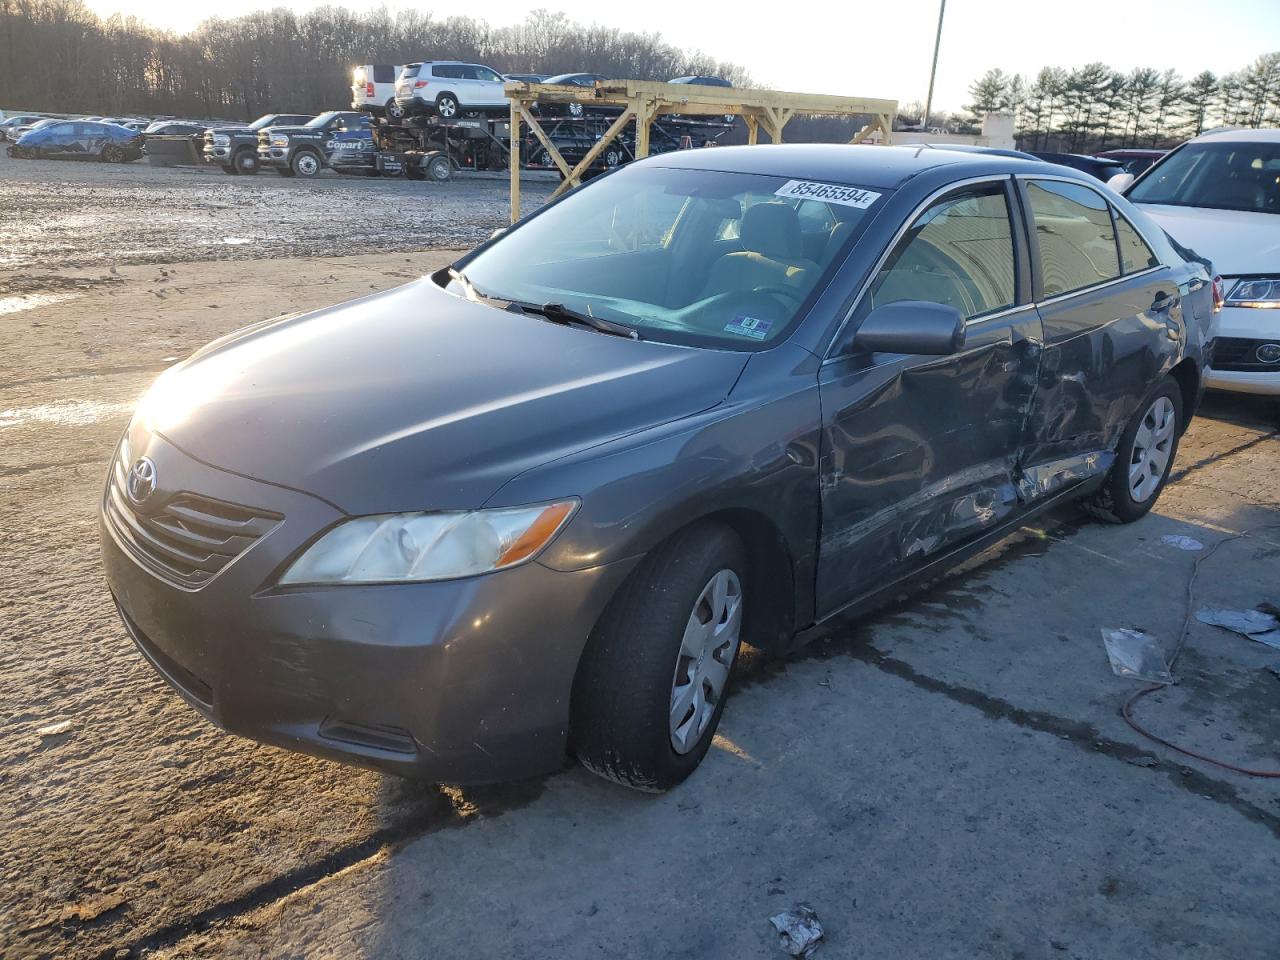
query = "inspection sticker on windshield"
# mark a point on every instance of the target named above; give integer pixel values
(745, 326)
(828, 193)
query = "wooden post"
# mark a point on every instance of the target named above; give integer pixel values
(584, 164)
(513, 160)
(644, 114)
(753, 129)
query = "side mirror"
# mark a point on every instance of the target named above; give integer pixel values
(912, 326)
(1120, 182)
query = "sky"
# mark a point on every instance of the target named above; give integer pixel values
(880, 49)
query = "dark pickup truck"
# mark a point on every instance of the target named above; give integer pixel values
(235, 149)
(303, 151)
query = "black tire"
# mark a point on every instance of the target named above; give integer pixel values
(111, 154)
(447, 106)
(622, 694)
(245, 162)
(393, 111)
(306, 164)
(439, 169)
(1115, 501)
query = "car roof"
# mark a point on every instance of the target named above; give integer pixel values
(1269, 135)
(856, 164)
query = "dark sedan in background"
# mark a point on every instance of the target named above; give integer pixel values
(79, 140)
(536, 502)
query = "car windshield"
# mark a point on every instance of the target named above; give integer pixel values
(1222, 176)
(321, 120)
(699, 257)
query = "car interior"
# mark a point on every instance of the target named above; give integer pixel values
(680, 261)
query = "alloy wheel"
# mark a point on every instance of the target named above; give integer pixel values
(1152, 446)
(308, 165)
(447, 107)
(706, 656)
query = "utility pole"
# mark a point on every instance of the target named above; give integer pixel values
(937, 42)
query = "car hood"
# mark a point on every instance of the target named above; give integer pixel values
(1238, 242)
(230, 131)
(291, 129)
(415, 399)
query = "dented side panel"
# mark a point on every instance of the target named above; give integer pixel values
(920, 453)
(1104, 349)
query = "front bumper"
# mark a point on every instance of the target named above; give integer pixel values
(463, 681)
(1247, 326)
(273, 156)
(216, 154)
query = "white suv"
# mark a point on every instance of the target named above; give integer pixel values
(373, 90)
(1220, 195)
(450, 89)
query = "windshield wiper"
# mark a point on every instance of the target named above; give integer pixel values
(555, 312)
(559, 313)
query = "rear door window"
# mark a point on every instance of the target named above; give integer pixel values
(1075, 236)
(1135, 255)
(384, 73)
(959, 252)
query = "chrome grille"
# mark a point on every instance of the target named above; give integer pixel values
(191, 539)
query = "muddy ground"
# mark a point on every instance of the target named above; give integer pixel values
(948, 778)
(74, 214)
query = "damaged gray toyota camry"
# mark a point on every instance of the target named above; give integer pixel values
(532, 506)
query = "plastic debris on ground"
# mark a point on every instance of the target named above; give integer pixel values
(1181, 542)
(1136, 655)
(1259, 625)
(53, 729)
(799, 932)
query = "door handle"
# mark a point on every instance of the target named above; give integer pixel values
(1164, 301)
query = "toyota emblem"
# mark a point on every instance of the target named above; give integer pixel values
(141, 482)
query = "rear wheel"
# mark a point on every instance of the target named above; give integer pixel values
(653, 680)
(447, 106)
(393, 111)
(439, 169)
(1144, 458)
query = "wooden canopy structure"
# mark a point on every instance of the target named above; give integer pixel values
(642, 101)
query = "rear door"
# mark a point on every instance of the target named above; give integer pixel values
(1109, 325)
(919, 452)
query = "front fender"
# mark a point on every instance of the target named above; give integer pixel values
(756, 452)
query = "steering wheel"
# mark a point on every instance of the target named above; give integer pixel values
(776, 290)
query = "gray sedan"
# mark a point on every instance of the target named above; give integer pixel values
(534, 504)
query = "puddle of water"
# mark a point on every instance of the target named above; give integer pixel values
(31, 300)
(236, 241)
(67, 413)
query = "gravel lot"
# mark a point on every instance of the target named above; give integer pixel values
(76, 214)
(948, 778)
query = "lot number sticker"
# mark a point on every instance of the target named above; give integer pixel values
(828, 193)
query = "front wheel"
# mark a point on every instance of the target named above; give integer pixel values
(246, 163)
(1144, 458)
(305, 164)
(655, 674)
(112, 154)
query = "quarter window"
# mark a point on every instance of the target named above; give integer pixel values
(960, 252)
(1076, 238)
(1135, 255)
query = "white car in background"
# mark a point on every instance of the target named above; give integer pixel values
(373, 90)
(1219, 194)
(449, 89)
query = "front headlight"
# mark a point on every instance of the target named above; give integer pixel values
(279, 140)
(416, 547)
(1264, 293)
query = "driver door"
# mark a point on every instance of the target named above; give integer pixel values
(918, 452)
